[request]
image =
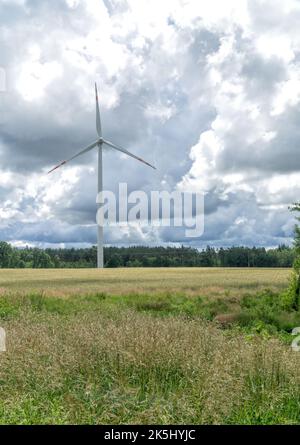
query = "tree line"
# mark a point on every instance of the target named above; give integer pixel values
(140, 256)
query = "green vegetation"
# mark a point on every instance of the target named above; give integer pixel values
(155, 358)
(148, 257)
(294, 290)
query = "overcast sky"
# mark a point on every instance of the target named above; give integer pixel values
(209, 91)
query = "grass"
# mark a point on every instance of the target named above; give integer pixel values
(99, 354)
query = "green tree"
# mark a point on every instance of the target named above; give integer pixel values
(134, 263)
(296, 208)
(6, 253)
(41, 260)
(291, 298)
(296, 279)
(114, 261)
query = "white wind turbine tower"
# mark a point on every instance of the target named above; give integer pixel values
(99, 144)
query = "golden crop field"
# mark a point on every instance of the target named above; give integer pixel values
(207, 281)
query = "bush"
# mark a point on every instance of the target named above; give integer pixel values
(268, 309)
(293, 293)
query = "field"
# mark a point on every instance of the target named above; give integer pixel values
(196, 346)
(125, 281)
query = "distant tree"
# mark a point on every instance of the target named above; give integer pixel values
(142, 256)
(15, 259)
(114, 261)
(56, 261)
(6, 252)
(22, 264)
(135, 263)
(41, 260)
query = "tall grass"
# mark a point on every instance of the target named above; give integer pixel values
(94, 360)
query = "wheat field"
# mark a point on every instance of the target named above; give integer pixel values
(135, 280)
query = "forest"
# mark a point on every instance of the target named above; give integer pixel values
(141, 256)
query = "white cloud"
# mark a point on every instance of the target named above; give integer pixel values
(209, 91)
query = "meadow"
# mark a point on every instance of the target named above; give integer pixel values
(147, 346)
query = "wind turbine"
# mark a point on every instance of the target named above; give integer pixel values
(99, 143)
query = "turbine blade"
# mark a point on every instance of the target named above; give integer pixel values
(98, 118)
(85, 150)
(122, 150)
(57, 166)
